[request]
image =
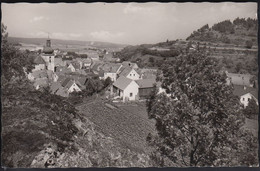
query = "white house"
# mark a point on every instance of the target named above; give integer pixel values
(130, 73)
(125, 88)
(72, 86)
(245, 94)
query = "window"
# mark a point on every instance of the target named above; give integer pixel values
(243, 99)
(131, 94)
(134, 74)
(130, 74)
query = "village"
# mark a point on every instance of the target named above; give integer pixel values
(65, 73)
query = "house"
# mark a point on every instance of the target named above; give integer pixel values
(245, 94)
(125, 88)
(239, 79)
(57, 89)
(146, 86)
(85, 63)
(111, 70)
(43, 82)
(74, 66)
(58, 61)
(71, 85)
(38, 74)
(39, 63)
(130, 73)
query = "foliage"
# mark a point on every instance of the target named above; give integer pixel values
(201, 117)
(224, 26)
(252, 110)
(30, 118)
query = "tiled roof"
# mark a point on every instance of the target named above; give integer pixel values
(240, 91)
(65, 82)
(55, 86)
(125, 71)
(40, 74)
(76, 65)
(240, 79)
(110, 67)
(41, 82)
(38, 60)
(146, 83)
(122, 82)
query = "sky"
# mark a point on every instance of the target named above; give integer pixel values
(124, 23)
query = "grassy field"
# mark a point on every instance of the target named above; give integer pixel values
(126, 123)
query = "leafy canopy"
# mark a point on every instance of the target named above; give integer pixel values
(199, 117)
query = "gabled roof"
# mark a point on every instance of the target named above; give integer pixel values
(242, 90)
(55, 86)
(96, 66)
(146, 83)
(125, 71)
(240, 79)
(122, 82)
(111, 67)
(38, 60)
(76, 65)
(65, 82)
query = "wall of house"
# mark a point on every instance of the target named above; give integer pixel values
(39, 67)
(133, 75)
(74, 87)
(72, 68)
(111, 75)
(131, 88)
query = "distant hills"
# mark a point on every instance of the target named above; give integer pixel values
(59, 42)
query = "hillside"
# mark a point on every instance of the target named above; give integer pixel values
(234, 44)
(241, 32)
(42, 41)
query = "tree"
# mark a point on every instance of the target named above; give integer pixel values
(107, 82)
(198, 118)
(252, 110)
(30, 118)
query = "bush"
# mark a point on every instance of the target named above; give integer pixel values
(249, 44)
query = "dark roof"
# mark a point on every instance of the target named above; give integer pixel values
(146, 83)
(47, 50)
(125, 71)
(242, 90)
(240, 79)
(38, 60)
(110, 67)
(65, 82)
(122, 82)
(76, 65)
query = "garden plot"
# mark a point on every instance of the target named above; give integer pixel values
(127, 124)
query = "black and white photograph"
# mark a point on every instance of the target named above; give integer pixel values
(131, 84)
